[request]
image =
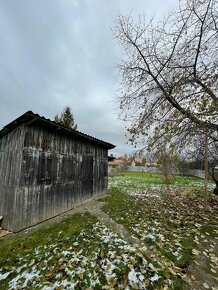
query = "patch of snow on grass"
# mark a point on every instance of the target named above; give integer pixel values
(4, 276)
(99, 258)
(155, 278)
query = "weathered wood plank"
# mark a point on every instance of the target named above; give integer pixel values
(46, 173)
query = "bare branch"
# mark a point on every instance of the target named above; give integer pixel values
(170, 73)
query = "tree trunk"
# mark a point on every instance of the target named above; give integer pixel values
(215, 191)
(206, 171)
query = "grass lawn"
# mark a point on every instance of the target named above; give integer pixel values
(168, 219)
(81, 253)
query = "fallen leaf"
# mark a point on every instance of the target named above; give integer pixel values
(61, 267)
(32, 262)
(61, 287)
(195, 252)
(206, 286)
(49, 274)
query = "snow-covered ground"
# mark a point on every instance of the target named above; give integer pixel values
(96, 258)
(147, 182)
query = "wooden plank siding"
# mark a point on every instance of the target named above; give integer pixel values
(10, 167)
(46, 172)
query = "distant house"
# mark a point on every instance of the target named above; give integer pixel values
(123, 161)
(118, 164)
(114, 163)
(45, 169)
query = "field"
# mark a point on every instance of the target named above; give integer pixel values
(153, 236)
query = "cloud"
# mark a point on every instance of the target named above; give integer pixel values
(58, 53)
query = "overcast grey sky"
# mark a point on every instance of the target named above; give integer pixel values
(55, 53)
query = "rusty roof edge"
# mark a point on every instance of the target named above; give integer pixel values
(24, 118)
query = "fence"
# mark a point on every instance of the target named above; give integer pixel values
(142, 169)
(195, 172)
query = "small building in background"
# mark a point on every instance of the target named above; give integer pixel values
(46, 169)
(118, 164)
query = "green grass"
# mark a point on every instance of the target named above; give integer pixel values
(83, 254)
(156, 178)
(164, 217)
(10, 249)
(148, 219)
(145, 180)
(79, 251)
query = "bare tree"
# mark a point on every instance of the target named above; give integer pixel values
(169, 75)
(167, 162)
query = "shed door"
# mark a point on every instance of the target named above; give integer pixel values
(87, 174)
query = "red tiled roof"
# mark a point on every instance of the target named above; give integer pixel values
(114, 163)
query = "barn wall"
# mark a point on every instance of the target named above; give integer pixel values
(57, 172)
(11, 152)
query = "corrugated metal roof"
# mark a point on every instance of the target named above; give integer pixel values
(30, 117)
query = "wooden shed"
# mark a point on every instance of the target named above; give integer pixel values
(45, 169)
